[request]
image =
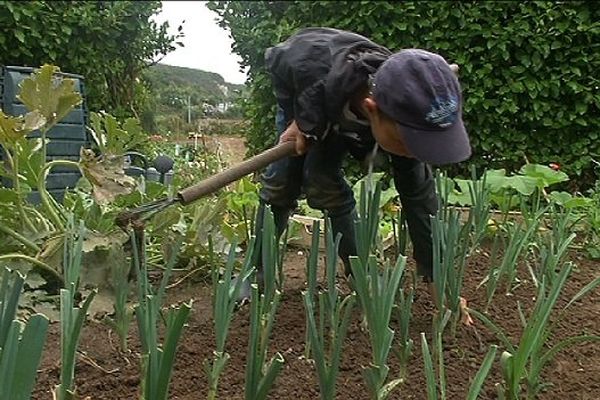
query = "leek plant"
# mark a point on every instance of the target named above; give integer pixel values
(479, 212)
(552, 247)
(21, 343)
(312, 262)
(449, 251)
(524, 362)
(367, 224)
(453, 242)
(224, 302)
(432, 389)
(432, 382)
(123, 312)
(376, 291)
(327, 333)
(72, 317)
(272, 256)
(401, 237)
(260, 374)
(157, 359)
(439, 324)
(405, 343)
(449, 258)
(519, 238)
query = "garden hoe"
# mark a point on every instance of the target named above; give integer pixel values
(135, 217)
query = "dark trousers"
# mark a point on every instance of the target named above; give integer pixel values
(319, 175)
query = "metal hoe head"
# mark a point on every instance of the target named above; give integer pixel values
(136, 217)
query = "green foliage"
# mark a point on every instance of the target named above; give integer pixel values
(224, 303)
(72, 316)
(115, 138)
(103, 192)
(261, 373)
(376, 288)
(326, 331)
(523, 192)
(115, 41)
(52, 98)
(21, 343)
(122, 311)
(524, 362)
(506, 190)
(229, 127)
(48, 98)
(592, 221)
(528, 69)
(242, 204)
(157, 358)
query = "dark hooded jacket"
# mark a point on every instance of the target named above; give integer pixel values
(314, 74)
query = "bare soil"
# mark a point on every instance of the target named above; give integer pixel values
(232, 148)
(105, 373)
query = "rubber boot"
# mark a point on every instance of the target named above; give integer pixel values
(344, 224)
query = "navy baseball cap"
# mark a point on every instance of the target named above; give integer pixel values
(419, 91)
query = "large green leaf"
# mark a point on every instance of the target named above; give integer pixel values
(31, 161)
(568, 200)
(49, 94)
(11, 129)
(456, 190)
(499, 181)
(34, 120)
(496, 179)
(114, 138)
(525, 185)
(545, 176)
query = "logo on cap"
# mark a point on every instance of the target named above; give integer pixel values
(443, 111)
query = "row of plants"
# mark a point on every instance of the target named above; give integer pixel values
(380, 288)
(21, 343)
(528, 191)
(508, 195)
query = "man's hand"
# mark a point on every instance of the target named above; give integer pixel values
(464, 313)
(294, 134)
(454, 68)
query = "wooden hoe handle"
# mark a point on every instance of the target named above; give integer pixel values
(238, 171)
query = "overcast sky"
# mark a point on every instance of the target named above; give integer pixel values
(207, 46)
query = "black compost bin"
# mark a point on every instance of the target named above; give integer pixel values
(65, 139)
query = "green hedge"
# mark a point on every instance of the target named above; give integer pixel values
(529, 70)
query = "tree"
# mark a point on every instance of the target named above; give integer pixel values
(108, 42)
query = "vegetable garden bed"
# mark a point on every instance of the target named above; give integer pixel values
(574, 373)
(532, 295)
